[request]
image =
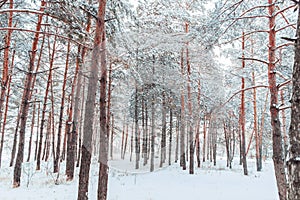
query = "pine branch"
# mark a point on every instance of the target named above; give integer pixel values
(254, 59)
(289, 39)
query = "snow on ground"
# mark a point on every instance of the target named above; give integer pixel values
(170, 182)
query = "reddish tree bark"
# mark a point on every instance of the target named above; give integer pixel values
(243, 116)
(49, 81)
(31, 131)
(26, 101)
(61, 113)
(275, 122)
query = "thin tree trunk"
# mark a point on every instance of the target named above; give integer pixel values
(48, 136)
(182, 122)
(109, 91)
(81, 126)
(31, 131)
(177, 139)
(5, 71)
(49, 82)
(72, 134)
(60, 122)
(123, 138)
(53, 121)
(126, 138)
(26, 101)
(5, 113)
(112, 137)
(243, 115)
(191, 132)
(170, 135)
(37, 132)
(285, 137)
(258, 156)
(14, 148)
(104, 134)
(136, 137)
(163, 131)
(204, 138)
(152, 134)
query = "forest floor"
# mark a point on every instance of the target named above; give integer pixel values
(170, 182)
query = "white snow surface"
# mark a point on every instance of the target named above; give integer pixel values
(168, 183)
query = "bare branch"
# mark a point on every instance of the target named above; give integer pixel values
(284, 45)
(42, 32)
(284, 83)
(2, 48)
(246, 34)
(285, 107)
(285, 19)
(283, 10)
(249, 88)
(254, 59)
(282, 28)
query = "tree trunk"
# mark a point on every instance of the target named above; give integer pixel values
(285, 137)
(89, 115)
(48, 137)
(275, 122)
(177, 139)
(81, 126)
(182, 122)
(72, 134)
(170, 135)
(190, 121)
(5, 72)
(123, 138)
(126, 139)
(37, 132)
(243, 114)
(60, 122)
(14, 148)
(112, 137)
(31, 131)
(110, 129)
(49, 82)
(26, 101)
(5, 115)
(258, 156)
(136, 137)
(163, 131)
(152, 134)
(294, 151)
(204, 138)
(104, 134)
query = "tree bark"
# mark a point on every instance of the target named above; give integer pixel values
(104, 134)
(275, 122)
(243, 114)
(97, 54)
(5, 72)
(26, 101)
(49, 82)
(294, 134)
(182, 122)
(31, 131)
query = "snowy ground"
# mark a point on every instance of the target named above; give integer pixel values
(208, 182)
